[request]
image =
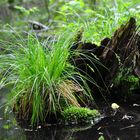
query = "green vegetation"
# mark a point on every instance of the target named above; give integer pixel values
(37, 65)
(99, 19)
(101, 138)
(131, 82)
(79, 114)
(43, 80)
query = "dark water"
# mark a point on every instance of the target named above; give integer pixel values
(9, 130)
(122, 125)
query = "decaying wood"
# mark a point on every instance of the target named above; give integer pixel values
(37, 26)
(122, 51)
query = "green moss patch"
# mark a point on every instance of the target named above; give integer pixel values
(127, 81)
(79, 115)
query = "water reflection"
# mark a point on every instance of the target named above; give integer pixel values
(112, 127)
(9, 130)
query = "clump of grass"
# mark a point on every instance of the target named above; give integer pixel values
(79, 114)
(43, 80)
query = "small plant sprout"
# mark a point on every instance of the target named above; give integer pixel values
(115, 107)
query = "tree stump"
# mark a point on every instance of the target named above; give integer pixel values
(121, 57)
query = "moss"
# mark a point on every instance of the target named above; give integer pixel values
(79, 114)
(126, 80)
(133, 79)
